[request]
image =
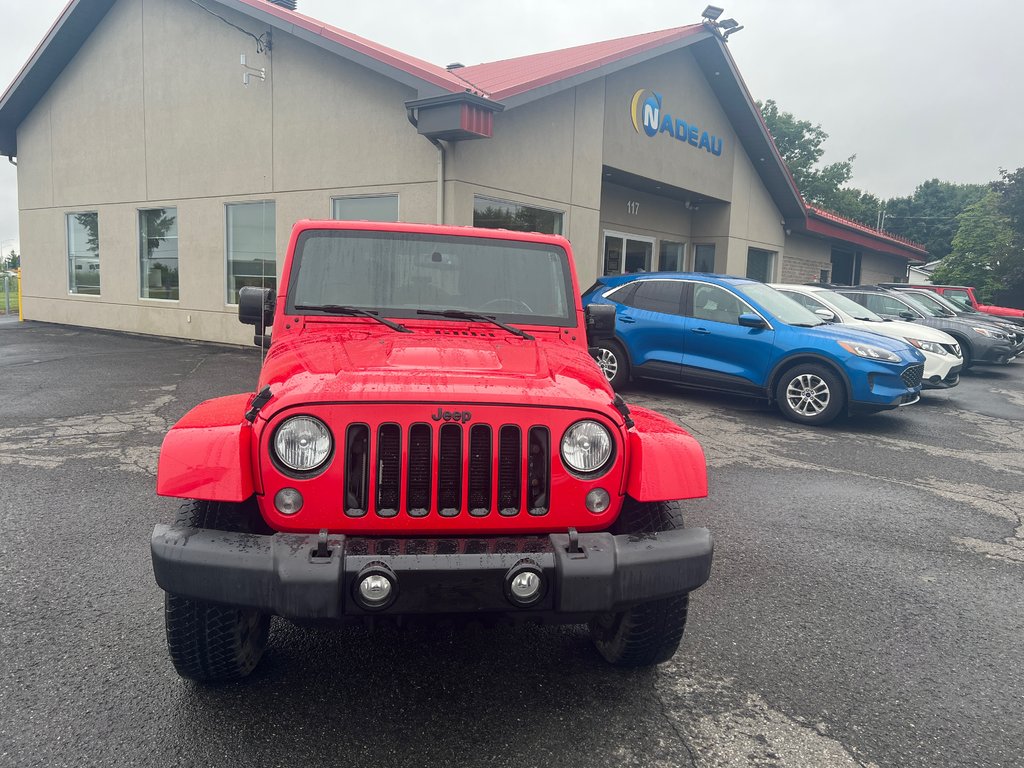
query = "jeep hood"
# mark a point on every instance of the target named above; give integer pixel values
(425, 366)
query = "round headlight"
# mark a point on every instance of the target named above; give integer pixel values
(586, 446)
(302, 443)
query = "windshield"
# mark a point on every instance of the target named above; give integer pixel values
(849, 306)
(933, 299)
(930, 310)
(398, 273)
(782, 307)
(959, 297)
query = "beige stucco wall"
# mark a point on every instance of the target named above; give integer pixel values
(881, 268)
(152, 112)
(686, 95)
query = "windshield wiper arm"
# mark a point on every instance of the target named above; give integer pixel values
(461, 314)
(342, 309)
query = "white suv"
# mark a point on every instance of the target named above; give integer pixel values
(942, 356)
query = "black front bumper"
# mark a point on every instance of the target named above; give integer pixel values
(282, 574)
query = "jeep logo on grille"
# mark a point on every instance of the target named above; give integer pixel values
(443, 415)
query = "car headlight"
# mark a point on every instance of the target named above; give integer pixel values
(928, 346)
(302, 443)
(586, 446)
(988, 332)
(871, 353)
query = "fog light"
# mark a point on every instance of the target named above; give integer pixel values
(524, 584)
(598, 500)
(376, 586)
(375, 590)
(288, 501)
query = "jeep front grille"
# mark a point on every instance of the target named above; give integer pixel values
(913, 374)
(476, 470)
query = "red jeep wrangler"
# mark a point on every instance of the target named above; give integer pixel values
(429, 436)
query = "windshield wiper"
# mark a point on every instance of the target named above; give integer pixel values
(342, 309)
(806, 325)
(461, 314)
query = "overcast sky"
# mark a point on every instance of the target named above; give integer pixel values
(917, 89)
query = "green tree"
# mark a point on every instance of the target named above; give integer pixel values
(13, 260)
(981, 247)
(929, 216)
(800, 144)
(1010, 188)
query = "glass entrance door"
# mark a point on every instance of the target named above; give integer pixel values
(625, 253)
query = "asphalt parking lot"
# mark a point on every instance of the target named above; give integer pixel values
(866, 605)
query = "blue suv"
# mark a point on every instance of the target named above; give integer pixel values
(736, 335)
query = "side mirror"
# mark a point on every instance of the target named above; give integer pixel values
(600, 320)
(750, 320)
(824, 314)
(905, 315)
(256, 308)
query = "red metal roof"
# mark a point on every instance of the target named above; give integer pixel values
(824, 222)
(501, 79)
(424, 70)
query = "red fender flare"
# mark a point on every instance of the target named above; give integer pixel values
(665, 462)
(208, 454)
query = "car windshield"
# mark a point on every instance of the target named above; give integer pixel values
(933, 299)
(930, 310)
(959, 297)
(945, 303)
(398, 273)
(849, 306)
(782, 307)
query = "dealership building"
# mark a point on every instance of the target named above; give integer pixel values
(166, 147)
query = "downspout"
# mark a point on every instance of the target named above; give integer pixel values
(411, 114)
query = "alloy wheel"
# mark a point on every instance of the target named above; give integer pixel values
(808, 394)
(608, 363)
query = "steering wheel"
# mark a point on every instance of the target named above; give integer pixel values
(514, 304)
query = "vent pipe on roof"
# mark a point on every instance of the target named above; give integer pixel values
(455, 65)
(289, 4)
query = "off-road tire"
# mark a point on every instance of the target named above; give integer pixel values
(610, 353)
(648, 633)
(826, 403)
(209, 642)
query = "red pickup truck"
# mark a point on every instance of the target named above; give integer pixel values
(964, 296)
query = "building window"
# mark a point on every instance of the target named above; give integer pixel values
(759, 264)
(83, 253)
(504, 214)
(704, 258)
(251, 248)
(158, 253)
(365, 208)
(670, 256)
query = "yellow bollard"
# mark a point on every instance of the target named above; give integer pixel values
(21, 314)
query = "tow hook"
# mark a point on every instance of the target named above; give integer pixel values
(576, 552)
(322, 552)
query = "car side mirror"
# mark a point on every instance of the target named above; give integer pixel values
(750, 320)
(256, 308)
(905, 315)
(600, 320)
(824, 314)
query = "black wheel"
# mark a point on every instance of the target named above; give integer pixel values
(810, 394)
(611, 358)
(648, 633)
(209, 642)
(965, 353)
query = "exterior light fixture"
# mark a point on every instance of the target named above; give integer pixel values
(728, 24)
(712, 12)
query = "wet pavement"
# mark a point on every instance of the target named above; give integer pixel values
(866, 605)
